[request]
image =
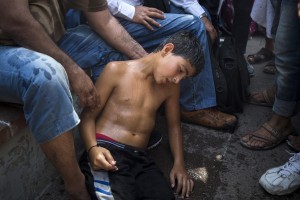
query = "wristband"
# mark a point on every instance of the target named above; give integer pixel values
(91, 148)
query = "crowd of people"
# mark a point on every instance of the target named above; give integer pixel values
(139, 59)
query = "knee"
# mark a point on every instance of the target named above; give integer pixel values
(196, 25)
(46, 76)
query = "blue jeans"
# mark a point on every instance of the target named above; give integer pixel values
(287, 59)
(196, 93)
(41, 85)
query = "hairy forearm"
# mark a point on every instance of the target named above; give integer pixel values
(20, 25)
(114, 34)
(32, 36)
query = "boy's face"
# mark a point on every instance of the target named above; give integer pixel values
(173, 68)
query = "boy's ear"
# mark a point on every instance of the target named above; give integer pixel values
(168, 48)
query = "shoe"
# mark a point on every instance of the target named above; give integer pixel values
(261, 56)
(266, 137)
(211, 118)
(284, 179)
(155, 139)
(262, 98)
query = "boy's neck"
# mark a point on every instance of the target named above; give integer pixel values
(146, 65)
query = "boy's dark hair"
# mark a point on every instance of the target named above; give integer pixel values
(187, 46)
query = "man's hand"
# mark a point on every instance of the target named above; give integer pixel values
(144, 15)
(83, 86)
(101, 158)
(210, 28)
(180, 178)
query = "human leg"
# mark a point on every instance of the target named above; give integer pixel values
(60, 151)
(88, 49)
(151, 182)
(198, 93)
(284, 179)
(198, 97)
(287, 62)
(241, 23)
(36, 81)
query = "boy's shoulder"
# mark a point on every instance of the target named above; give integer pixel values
(116, 67)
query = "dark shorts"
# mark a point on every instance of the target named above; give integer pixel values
(137, 178)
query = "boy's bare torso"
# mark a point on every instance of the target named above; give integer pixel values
(129, 114)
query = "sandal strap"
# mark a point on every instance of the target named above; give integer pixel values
(268, 95)
(274, 132)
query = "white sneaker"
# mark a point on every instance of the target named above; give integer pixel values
(284, 179)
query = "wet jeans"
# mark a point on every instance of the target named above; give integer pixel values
(287, 59)
(41, 84)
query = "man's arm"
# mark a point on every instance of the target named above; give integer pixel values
(114, 33)
(184, 183)
(17, 21)
(193, 7)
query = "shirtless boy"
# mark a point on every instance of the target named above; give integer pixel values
(116, 133)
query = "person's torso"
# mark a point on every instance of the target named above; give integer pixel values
(50, 14)
(129, 114)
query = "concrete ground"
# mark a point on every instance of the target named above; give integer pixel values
(220, 166)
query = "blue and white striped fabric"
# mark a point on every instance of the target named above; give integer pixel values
(101, 184)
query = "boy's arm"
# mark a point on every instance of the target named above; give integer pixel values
(178, 174)
(100, 158)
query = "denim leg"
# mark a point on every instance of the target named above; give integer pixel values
(88, 50)
(287, 59)
(196, 93)
(202, 86)
(37, 82)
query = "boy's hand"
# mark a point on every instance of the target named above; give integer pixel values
(100, 158)
(180, 178)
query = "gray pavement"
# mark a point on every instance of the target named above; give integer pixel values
(220, 166)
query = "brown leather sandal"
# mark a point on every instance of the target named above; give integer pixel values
(261, 56)
(267, 97)
(271, 140)
(270, 68)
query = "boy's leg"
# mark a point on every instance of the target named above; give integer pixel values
(112, 185)
(151, 182)
(36, 81)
